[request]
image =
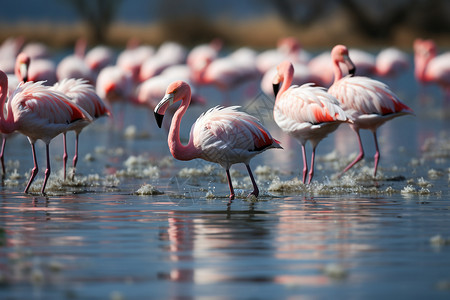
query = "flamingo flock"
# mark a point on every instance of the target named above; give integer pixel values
(313, 96)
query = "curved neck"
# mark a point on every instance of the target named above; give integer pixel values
(6, 124)
(420, 68)
(178, 150)
(287, 77)
(337, 71)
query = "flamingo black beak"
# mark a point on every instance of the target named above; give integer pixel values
(276, 88)
(350, 65)
(159, 119)
(352, 71)
(161, 108)
(23, 70)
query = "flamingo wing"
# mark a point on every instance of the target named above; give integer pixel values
(310, 104)
(226, 128)
(367, 96)
(83, 94)
(46, 104)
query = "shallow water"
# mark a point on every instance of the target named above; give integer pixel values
(136, 224)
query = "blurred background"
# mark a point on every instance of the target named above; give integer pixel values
(255, 23)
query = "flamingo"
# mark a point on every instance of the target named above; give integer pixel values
(39, 113)
(288, 48)
(430, 67)
(168, 54)
(20, 75)
(83, 94)
(307, 113)
(201, 56)
(364, 62)
(99, 57)
(301, 76)
(74, 66)
(391, 62)
(320, 66)
(132, 58)
(114, 84)
(370, 102)
(223, 135)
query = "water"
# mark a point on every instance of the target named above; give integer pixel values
(137, 224)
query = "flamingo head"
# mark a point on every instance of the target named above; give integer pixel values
(21, 67)
(424, 52)
(176, 91)
(339, 54)
(284, 70)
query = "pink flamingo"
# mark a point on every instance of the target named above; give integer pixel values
(201, 56)
(37, 50)
(306, 112)
(9, 50)
(391, 62)
(82, 94)
(152, 90)
(20, 75)
(301, 76)
(370, 102)
(39, 113)
(288, 48)
(168, 54)
(41, 69)
(320, 67)
(430, 67)
(222, 135)
(99, 57)
(115, 85)
(74, 66)
(132, 58)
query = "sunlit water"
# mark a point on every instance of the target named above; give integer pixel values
(136, 224)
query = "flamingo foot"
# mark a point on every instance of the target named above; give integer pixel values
(47, 175)
(34, 172)
(357, 159)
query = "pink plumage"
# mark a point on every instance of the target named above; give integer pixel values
(83, 94)
(307, 113)
(370, 102)
(39, 113)
(391, 62)
(430, 67)
(223, 135)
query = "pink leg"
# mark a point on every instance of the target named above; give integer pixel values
(64, 155)
(359, 157)
(2, 159)
(75, 157)
(305, 164)
(34, 171)
(311, 170)
(255, 186)
(47, 171)
(377, 153)
(230, 185)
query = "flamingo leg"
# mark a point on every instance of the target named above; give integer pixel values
(255, 186)
(64, 155)
(377, 154)
(359, 157)
(230, 185)
(311, 170)
(47, 171)
(305, 164)
(2, 156)
(35, 169)
(75, 157)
